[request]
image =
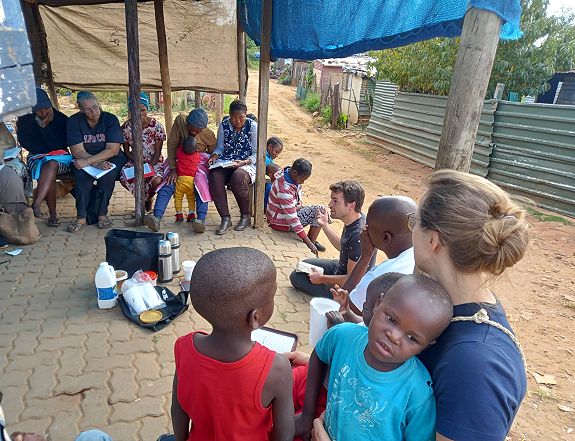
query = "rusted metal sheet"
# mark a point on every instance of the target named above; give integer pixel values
(534, 153)
(414, 128)
(17, 94)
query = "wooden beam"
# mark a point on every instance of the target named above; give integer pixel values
(197, 99)
(133, 46)
(468, 88)
(219, 108)
(242, 63)
(164, 65)
(263, 98)
(498, 94)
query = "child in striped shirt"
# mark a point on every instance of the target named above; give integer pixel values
(285, 210)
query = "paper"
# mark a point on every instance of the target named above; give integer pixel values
(129, 173)
(11, 153)
(308, 268)
(223, 164)
(274, 340)
(97, 173)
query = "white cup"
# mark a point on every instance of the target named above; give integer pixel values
(188, 267)
(135, 299)
(318, 306)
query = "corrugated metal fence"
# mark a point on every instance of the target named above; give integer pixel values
(527, 148)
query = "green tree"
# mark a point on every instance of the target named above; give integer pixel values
(524, 65)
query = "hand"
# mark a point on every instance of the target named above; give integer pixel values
(103, 165)
(239, 164)
(297, 358)
(80, 163)
(341, 296)
(303, 427)
(172, 176)
(334, 318)
(318, 432)
(313, 248)
(315, 277)
(20, 436)
(212, 159)
(367, 247)
(322, 217)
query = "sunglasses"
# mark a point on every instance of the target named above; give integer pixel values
(412, 221)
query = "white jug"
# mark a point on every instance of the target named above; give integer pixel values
(105, 281)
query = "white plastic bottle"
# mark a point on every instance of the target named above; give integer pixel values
(106, 286)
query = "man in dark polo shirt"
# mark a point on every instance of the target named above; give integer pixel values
(345, 204)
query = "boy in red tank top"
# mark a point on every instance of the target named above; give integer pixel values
(227, 387)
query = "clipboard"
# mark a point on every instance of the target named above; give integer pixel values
(276, 340)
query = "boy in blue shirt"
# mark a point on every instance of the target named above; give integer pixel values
(377, 388)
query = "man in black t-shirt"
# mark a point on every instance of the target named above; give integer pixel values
(345, 204)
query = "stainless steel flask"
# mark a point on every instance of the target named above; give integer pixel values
(165, 273)
(174, 239)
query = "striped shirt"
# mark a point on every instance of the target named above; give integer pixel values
(283, 203)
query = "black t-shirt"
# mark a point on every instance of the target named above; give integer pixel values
(350, 246)
(94, 139)
(38, 140)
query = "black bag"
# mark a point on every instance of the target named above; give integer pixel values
(94, 203)
(132, 250)
(175, 305)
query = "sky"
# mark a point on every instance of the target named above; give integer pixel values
(556, 5)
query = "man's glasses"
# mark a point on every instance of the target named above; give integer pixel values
(412, 221)
(92, 109)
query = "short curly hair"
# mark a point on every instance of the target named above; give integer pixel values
(352, 192)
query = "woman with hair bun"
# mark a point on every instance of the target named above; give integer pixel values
(466, 231)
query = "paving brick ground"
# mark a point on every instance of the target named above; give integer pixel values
(66, 366)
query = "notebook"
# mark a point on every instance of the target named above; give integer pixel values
(277, 341)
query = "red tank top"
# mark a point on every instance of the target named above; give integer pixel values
(223, 400)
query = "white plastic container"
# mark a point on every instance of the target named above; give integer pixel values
(318, 306)
(105, 281)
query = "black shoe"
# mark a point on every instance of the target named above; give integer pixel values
(244, 223)
(320, 247)
(225, 225)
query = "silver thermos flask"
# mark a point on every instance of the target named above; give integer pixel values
(165, 273)
(174, 239)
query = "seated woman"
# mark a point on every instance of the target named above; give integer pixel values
(236, 151)
(153, 136)
(94, 137)
(43, 134)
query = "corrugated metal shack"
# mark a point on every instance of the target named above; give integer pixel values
(529, 149)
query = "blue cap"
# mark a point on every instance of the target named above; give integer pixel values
(198, 118)
(42, 100)
(143, 100)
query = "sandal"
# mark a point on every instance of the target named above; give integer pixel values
(103, 224)
(74, 227)
(38, 213)
(53, 222)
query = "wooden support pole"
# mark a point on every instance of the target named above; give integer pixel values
(335, 107)
(133, 43)
(197, 99)
(164, 65)
(498, 94)
(242, 63)
(219, 108)
(468, 88)
(263, 97)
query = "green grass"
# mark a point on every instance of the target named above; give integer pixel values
(543, 217)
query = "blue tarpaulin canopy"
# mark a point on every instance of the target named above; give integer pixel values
(312, 29)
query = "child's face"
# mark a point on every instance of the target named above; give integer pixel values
(372, 301)
(399, 329)
(298, 179)
(274, 150)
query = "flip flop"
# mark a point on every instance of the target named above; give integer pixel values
(74, 227)
(38, 213)
(53, 222)
(103, 224)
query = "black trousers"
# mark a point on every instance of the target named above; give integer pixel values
(105, 184)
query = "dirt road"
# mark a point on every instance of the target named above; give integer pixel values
(538, 294)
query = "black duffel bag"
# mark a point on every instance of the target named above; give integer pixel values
(132, 250)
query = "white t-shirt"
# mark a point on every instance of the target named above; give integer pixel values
(404, 264)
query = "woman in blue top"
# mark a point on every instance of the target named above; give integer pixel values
(465, 232)
(234, 162)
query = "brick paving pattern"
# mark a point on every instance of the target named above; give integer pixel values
(66, 366)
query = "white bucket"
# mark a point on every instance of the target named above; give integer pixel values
(318, 306)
